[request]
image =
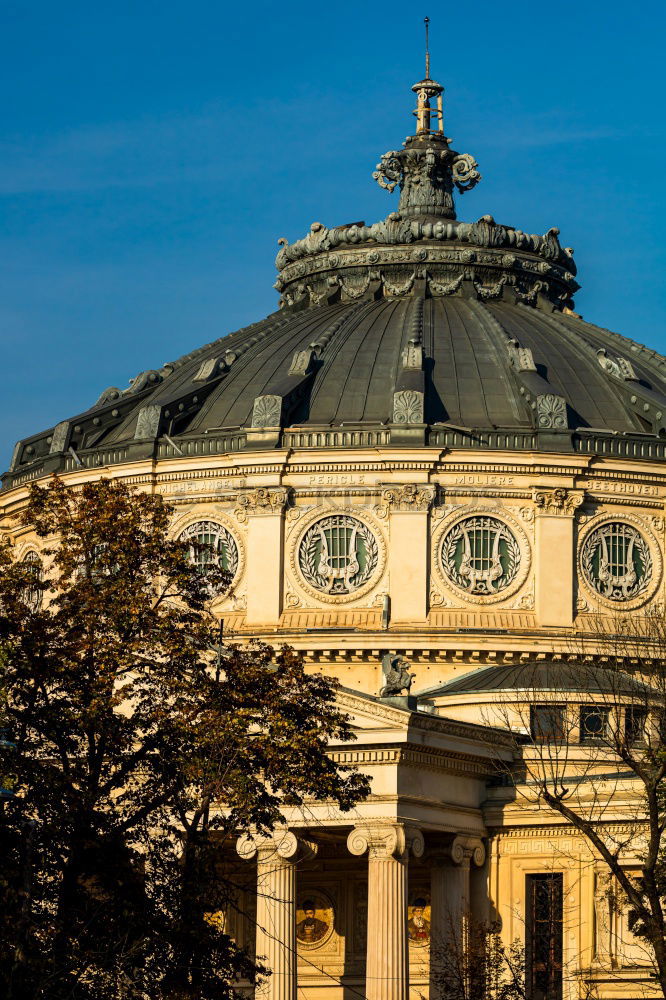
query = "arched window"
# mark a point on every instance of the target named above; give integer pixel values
(32, 593)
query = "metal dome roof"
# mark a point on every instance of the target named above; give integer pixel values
(418, 330)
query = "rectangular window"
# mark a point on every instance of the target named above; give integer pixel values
(544, 937)
(594, 721)
(547, 722)
(635, 721)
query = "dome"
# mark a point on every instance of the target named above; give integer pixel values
(419, 331)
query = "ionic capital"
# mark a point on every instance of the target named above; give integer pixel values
(386, 840)
(467, 850)
(283, 843)
(408, 497)
(263, 500)
(556, 501)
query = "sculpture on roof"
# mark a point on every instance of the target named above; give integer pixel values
(397, 676)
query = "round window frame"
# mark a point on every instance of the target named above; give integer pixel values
(584, 534)
(321, 514)
(182, 524)
(499, 514)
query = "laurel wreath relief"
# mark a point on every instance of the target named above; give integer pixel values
(483, 581)
(310, 555)
(614, 588)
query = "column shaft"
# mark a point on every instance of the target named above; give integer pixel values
(276, 925)
(387, 969)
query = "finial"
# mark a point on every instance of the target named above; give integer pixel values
(425, 90)
(426, 21)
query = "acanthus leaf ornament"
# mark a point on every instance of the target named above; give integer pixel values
(407, 497)
(263, 500)
(556, 500)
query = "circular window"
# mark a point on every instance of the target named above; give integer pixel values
(338, 554)
(211, 544)
(32, 593)
(617, 561)
(481, 555)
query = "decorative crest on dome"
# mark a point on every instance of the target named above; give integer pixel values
(426, 169)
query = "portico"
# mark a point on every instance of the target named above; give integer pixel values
(357, 888)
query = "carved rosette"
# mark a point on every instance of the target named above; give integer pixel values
(263, 500)
(385, 841)
(409, 497)
(556, 501)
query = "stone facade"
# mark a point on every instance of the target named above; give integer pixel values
(424, 463)
(437, 827)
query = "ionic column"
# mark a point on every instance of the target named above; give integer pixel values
(276, 908)
(450, 905)
(387, 963)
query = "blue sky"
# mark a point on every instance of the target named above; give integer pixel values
(151, 154)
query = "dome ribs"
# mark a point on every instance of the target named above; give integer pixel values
(447, 370)
(515, 367)
(409, 388)
(646, 404)
(345, 386)
(466, 366)
(258, 368)
(587, 402)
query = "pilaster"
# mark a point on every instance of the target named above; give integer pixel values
(407, 508)
(554, 543)
(263, 509)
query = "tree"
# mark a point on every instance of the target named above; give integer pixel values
(477, 965)
(142, 745)
(591, 741)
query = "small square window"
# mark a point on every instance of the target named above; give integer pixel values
(594, 721)
(547, 722)
(635, 720)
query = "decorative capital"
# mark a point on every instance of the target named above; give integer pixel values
(386, 841)
(410, 497)
(467, 850)
(263, 500)
(281, 843)
(556, 501)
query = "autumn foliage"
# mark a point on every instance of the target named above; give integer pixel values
(141, 749)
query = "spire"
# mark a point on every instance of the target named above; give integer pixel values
(426, 169)
(426, 21)
(426, 90)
